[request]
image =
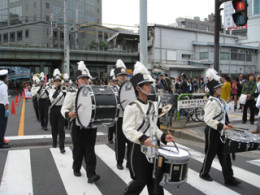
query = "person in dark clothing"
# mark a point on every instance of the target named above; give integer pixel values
(184, 83)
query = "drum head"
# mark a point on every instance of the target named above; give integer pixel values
(126, 94)
(174, 152)
(84, 105)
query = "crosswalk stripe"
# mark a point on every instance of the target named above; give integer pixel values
(73, 185)
(17, 176)
(242, 174)
(47, 136)
(255, 162)
(105, 153)
(206, 187)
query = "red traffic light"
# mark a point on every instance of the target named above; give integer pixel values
(240, 6)
(240, 15)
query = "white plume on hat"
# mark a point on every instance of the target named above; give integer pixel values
(36, 79)
(66, 76)
(42, 75)
(56, 72)
(82, 67)
(112, 72)
(141, 69)
(120, 64)
(211, 74)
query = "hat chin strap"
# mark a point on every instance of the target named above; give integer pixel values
(143, 91)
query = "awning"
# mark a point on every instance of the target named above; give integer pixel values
(179, 67)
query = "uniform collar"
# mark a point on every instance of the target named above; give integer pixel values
(141, 101)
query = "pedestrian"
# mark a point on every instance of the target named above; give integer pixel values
(201, 86)
(242, 81)
(216, 119)
(248, 89)
(83, 139)
(168, 84)
(195, 84)
(4, 103)
(190, 88)
(141, 170)
(161, 82)
(184, 83)
(173, 84)
(178, 85)
(56, 96)
(226, 89)
(234, 92)
(120, 141)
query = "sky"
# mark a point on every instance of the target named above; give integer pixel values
(126, 12)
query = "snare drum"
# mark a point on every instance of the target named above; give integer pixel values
(175, 165)
(96, 106)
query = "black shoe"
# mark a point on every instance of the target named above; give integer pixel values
(206, 177)
(110, 141)
(232, 182)
(4, 146)
(243, 122)
(252, 123)
(45, 128)
(120, 166)
(77, 173)
(93, 178)
(62, 151)
(54, 145)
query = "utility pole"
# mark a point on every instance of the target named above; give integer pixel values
(143, 34)
(216, 38)
(66, 42)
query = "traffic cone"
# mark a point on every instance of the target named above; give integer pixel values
(23, 95)
(19, 99)
(13, 108)
(6, 141)
(16, 101)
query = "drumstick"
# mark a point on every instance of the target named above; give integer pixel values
(79, 106)
(173, 141)
(158, 147)
(240, 128)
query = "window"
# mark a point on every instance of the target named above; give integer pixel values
(55, 34)
(26, 19)
(19, 35)
(186, 56)
(12, 36)
(26, 6)
(16, 15)
(47, 5)
(248, 57)
(5, 38)
(233, 56)
(34, 4)
(241, 57)
(61, 35)
(47, 18)
(27, 33)
(0, 38)
(224, 56)
(204, 55)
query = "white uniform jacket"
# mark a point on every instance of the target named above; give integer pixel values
(215, 115)
(134, 118)
(34, 90)
(60, 97)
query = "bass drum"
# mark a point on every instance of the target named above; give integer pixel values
(96, 106)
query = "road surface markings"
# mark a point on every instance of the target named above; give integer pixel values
(242, 174)
(73, 185)
(17, 176)
(21, 125)
(47, 136)
(255, 162)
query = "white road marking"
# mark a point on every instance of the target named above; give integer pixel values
(255, 162)
(17, 176)
(73, 185)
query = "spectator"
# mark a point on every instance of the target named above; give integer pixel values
(161, 82)
(178, 85)
(201, 86)
(190, 88)
(226, 89)
(249, 88)
(168, 84)
(184, 83)
(195, 84)
(234, 91)
(173, 84)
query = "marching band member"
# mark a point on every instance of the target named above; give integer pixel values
(4, 113)
(140, 131)
(67, 85)
(83, 139)
(112, 83)
(35, 88)
(120, 139)
(56, 119)
(216, 120)
(43, 101)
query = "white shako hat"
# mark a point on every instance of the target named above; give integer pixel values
(213, 79)
(141, 75)
(120, 68)
(36, 79)
(112, 75)
(42, 76)
(66, 77)
(82, 71)
(56, 75)
(3, 72)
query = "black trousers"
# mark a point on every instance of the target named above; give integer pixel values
(3, 124)
(213, 147)
(84, 147)
(249, 104)
(111, 131)
(36, 107)
(43, 111)
(142, 173)
(120, 142)
(57, 126)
